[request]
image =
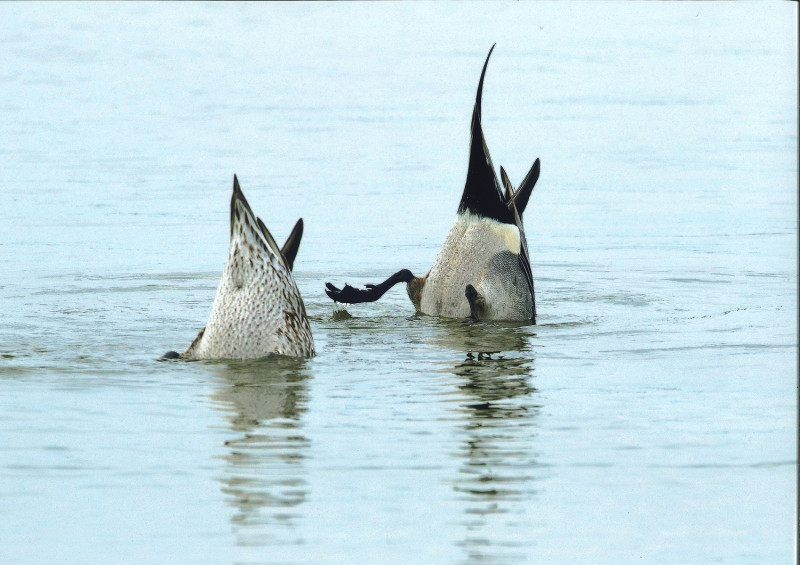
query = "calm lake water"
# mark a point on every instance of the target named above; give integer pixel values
(650, 417)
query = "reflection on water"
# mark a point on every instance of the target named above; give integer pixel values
(497, 463)
(264, 478)
(483, 339)
(663, 236)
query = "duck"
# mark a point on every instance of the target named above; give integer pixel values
(483, 269)
(258, 310)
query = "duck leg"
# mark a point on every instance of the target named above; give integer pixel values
(476, 302)
(372, 292)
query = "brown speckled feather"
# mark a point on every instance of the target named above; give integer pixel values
(258, 309)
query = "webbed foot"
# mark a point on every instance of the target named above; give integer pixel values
(372, 292)
(349, 294)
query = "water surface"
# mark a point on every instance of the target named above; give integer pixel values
(650, 416)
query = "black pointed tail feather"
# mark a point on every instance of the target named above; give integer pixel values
(289, 249)
(525, 189)
(482, 194)
(509, 194)
(352, 295)
(520, 197)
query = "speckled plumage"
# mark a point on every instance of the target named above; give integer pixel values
(258, 309)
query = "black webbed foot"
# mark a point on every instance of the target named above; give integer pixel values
(349, 294)
(372, 292)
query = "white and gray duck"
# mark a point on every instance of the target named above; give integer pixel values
(258, 309)
(483, 269)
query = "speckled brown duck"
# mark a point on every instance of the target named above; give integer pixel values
(258, 309)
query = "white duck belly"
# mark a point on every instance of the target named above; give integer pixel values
(484, 253)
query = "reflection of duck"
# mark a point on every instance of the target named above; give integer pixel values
(264, 475)
(485, 339)
(483, 268)
(496, 387)
(258, 309)
(498, 466)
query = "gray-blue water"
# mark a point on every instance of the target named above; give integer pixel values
(649, 417)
